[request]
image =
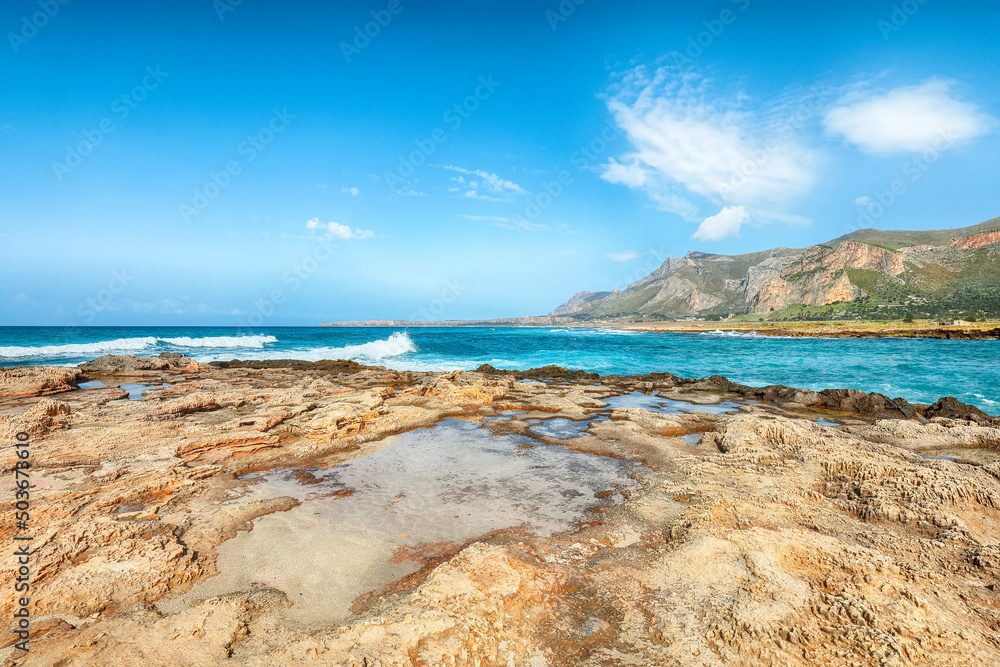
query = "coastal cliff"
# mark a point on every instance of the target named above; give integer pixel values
(868, 273)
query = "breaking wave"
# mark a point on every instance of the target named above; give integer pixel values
(131, 345)
(374, 352)
(221, 341)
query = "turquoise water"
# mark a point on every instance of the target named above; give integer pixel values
(919, 370)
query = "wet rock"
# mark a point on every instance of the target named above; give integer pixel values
(543, 373)
(336, 365)
(871, 405)
(949, 407)
(593, 626)
(114, 363)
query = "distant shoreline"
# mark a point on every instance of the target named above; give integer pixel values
(965, 331)
(829, 329)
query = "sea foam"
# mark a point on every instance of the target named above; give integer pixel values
(395, 345)
(221, 341)
(132, 345)
(375, 351)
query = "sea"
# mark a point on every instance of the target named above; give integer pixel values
(919, 370)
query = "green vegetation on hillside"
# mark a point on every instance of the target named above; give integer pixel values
(937, 282)
(908, 238)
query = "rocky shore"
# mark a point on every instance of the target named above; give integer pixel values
(823, 329)
(859, 329)
(800, 528)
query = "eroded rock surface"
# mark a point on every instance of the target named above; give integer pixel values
(773, 541)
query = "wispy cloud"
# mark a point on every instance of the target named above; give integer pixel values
(515, 223)
(404, 187)
(624, 256)
(490, 218)
(335, 230)
(907, 118)
(520, 224)
(479, 184)
(694, 147)
(354, 192)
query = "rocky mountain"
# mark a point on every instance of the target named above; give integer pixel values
(869, 273)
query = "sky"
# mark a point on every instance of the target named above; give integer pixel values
(247, 162)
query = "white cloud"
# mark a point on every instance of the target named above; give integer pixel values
(690, 145)
(339, 231)
(516, 223)
(864, 200)
(490, 218)
(354, 192)
(908, 118)
(723, 224)
(482, 185)
(633, 175)
(624, 256)
(520, 224)
(335, 230)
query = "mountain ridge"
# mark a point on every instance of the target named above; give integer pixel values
(867, 273)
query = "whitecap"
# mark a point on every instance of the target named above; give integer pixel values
(76, 349)
(221, 341)
(375, 351)
(130, 346)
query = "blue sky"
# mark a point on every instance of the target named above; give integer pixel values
(264, 163)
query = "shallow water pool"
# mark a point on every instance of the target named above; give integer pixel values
(366, 524)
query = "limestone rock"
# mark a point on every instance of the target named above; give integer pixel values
(20, 381)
